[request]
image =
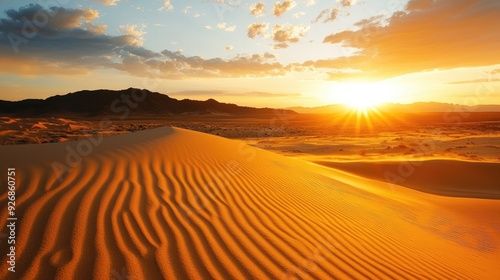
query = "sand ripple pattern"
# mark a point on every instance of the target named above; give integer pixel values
(175, 204)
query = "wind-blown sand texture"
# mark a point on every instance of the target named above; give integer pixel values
(170, 203)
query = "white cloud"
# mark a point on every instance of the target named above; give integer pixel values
(186, 10)
(223, 25)
(166, 6)
(299, 14)
(310, 3)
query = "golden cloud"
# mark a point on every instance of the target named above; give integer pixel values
(257, 29)
(257, 9)
(281, 8)
(444, 35)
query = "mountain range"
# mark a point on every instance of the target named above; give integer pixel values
(131, 101)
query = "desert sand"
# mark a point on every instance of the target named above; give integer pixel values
(170, 203)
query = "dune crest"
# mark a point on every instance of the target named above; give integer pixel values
(170, 203)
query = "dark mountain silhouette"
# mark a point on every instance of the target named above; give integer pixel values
(128, 102)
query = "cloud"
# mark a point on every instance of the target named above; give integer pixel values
(229, 48)
(68, 43)
(72, 44)
(177, 66)
(327, 15)
(448, 34)
(282, 34)
(186, 10)
(223, 25)
(257, 29)
(257, 9)
(212, 93)
(166, 6)
(134, 30)
(281, 8)
(346, 3)
(285, 33)
(310, 3)
(208, 27)
(298, 14)
(485, 80)
(280, 46)
(107, 2)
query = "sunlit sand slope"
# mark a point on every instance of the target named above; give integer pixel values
(170, 203)
(443, 177)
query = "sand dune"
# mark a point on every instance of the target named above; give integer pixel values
(170, 203)
(441, 176)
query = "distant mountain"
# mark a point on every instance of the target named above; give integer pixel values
(418, 107)
(132, 101)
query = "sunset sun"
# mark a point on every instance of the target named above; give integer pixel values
(363, 96)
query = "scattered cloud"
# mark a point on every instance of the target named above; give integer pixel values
(327, 15)
(223, 25)
(448, 34)
(212, 93)
(208, 27)
(280, 46)
(258, 9)
(134, 30)
(310, 3)
(298, 14)
(257, 29)
(229, 48)
(186, 10)
(287, 33)
(281, 8)
(178, 66)
(267, 55)
(107, 2)
(282, 34)
(347, 3)
(72, 44)
(166, 6)
(368, 22)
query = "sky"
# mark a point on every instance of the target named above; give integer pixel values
(255, 53)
